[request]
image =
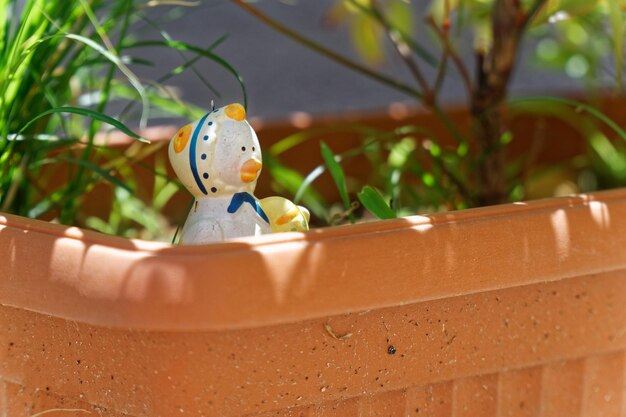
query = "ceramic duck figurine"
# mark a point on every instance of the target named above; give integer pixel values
(218, 159)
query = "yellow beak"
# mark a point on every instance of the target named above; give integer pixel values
(250, 169)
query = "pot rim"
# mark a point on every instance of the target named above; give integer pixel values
(105, 280)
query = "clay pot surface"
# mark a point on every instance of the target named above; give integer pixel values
(511, 310)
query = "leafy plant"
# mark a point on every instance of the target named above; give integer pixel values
(469, 166)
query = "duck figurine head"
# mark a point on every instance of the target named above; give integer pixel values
(218, 159)
(218, 154)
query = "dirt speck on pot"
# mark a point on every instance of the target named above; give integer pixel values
(334, 335)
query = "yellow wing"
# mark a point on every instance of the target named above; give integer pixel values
(284, 215)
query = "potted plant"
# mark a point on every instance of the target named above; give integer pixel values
(509, 309)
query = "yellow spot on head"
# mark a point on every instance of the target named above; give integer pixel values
(236, 112)
(181, 138)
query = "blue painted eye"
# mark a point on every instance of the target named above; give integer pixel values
(210, 123)
(203, 156)
(205, 175)
(206, 137)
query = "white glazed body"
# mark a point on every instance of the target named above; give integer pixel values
(209, 221)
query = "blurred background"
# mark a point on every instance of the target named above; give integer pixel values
(283, 77)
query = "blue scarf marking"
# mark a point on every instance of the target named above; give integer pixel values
(244, 197)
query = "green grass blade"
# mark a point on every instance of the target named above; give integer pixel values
(179, 227)
(109, 55)
(132, 78)
(578, 106)
(99, 225)
(338, 176)
(299, 138)
(305, 184)
(181, 46)
(320, 169)
(190, 63)
(289, 180)
(86, 164)
(375, 203)
(160, 99)
(189, 111)
(92, 44)
(88, 113)
(609, 155)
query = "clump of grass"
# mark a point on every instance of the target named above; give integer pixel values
(55, 55)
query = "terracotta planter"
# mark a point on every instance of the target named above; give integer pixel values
(512, 310)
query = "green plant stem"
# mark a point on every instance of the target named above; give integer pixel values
(114, 52)
(174, 72)
(190, 63)
(494, 70)
(578, 106)
(447, 122)
(458, 62)
(441, 70)
(430, 104)
(461, 187)
(186, 47)
(616, 20)
(15, 183)
(404, 52)
(428, 99)
(106, 90)
(534, 9)
(80, 177)
(327, 52)
(419, 50)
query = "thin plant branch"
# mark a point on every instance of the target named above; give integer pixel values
(533, 11)
(458, 62)
(327, 52)
(432, 105)
(536, 146)
(416, 48)
(447, 122)
(130, 75)
(443, 62)
(493, 74)
(441, 71)
(17, 179)
(467, 195)
(404, 52)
